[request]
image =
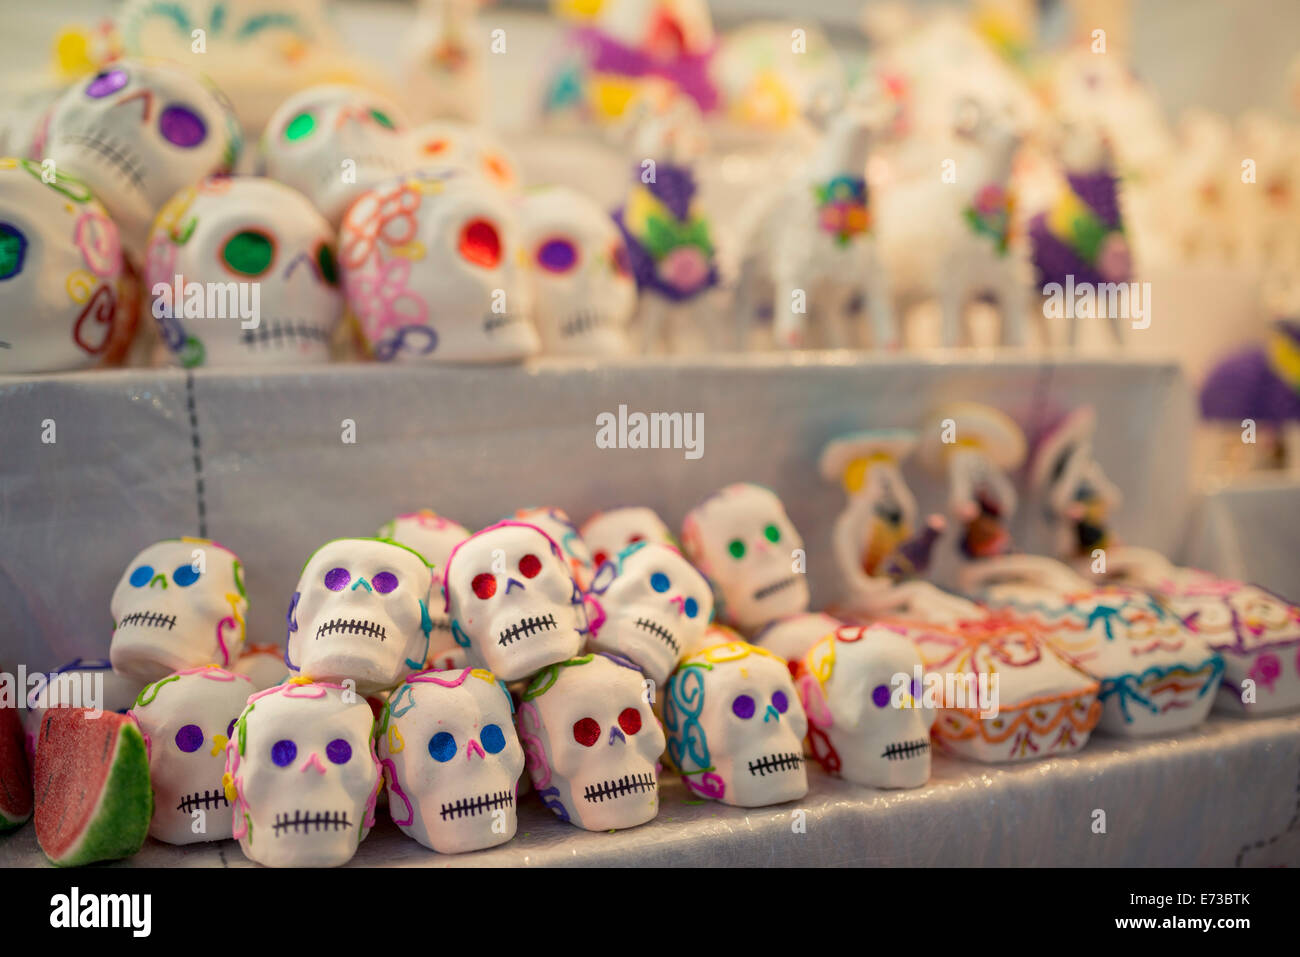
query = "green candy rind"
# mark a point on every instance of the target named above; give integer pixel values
(121, 823)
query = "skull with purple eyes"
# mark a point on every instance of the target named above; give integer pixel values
(262, 262)
(513, 601)
(187, 719)
(180, 604)
(360, 614)
(656, 607)
(735, 726)
(447, 743)
(302, 774)
(137, 132)
(583, 290)
(864, 705)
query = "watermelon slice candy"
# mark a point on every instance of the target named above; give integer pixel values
(15, 779)
(92, 796)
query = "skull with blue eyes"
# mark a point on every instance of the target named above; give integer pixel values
(179, 604)
(452, 761)
(361, 613)
(656, 607)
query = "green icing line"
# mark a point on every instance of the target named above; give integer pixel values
(121, 823)
(152, 690)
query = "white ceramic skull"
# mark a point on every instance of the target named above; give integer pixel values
(447, 744)
(263, 259)
(792, 637)
(81, 683)
(333, 142)
(583, 291)
(744, 542)
(592, 742)
(866, 714)
(137, 132)
(654, 606)
(432, 270)
(433, 536)
(179, 604)
(302, 775)
(187, 719)
(263, 665)
(609, 532)
(65, 302)
(464, 146)
(513, 602)
(735, 726)
(556, 523)
(361, 612)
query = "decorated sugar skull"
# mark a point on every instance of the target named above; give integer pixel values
(735, 726)
(302, 775)
(263, 665)
(137, 132)
(81, 683)
(743, 540)
(861, 690)
(361, 612)
(448, 747)
(464, 146)
(592, 742)
(654, 606)
(187, 719)
(433, 536)
(333, 142)
(431, 268)
(792, 637)
(513, 602)
(65, 302)
(180, 604)
(556, 523)
(271, 256)
(609, 532)
(583, 291)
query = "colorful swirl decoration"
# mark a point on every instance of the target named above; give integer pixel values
(688, 747)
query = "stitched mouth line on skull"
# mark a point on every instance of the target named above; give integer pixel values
(768, 590)
(112, 151)
(584, 322)
(149, 619)
(204, 799)
(282, 333)
(526, 629)
(308, 820)
(352, 626)
(645, 624)
(494, 321)
(905, 749)
(621, 787)
(469, 807)
(773, 763)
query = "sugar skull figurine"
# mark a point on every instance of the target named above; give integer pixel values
(654, 606)
(735, 726)
(263, 665)
(432, 269)
(556, 523)
(792, 637)
(65, 302)
(137, 132)
(302, 775)
(187, 719)
(74, 685)
(471, 148)
(448, 747)
(742, 539)
(333, 142)
(866, 719)
(583, 291)
(361, 613)
(513, 602)
(270, 254)
(609, 532)
(433, 536)
(592, 742)
(180, 604)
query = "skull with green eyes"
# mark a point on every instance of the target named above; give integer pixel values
(334, 142)
(180, 604)
(242, 272)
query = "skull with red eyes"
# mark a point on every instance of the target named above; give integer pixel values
(656, 607)
(447, 742)
(583, 290)
(333, 142)
(592, 742)
(430, 265)
(136, 132)
(269, 254)
(609, 532)
(736, 727)
(513, 601)
(360, 613)
(186, 719)
(556, 523)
